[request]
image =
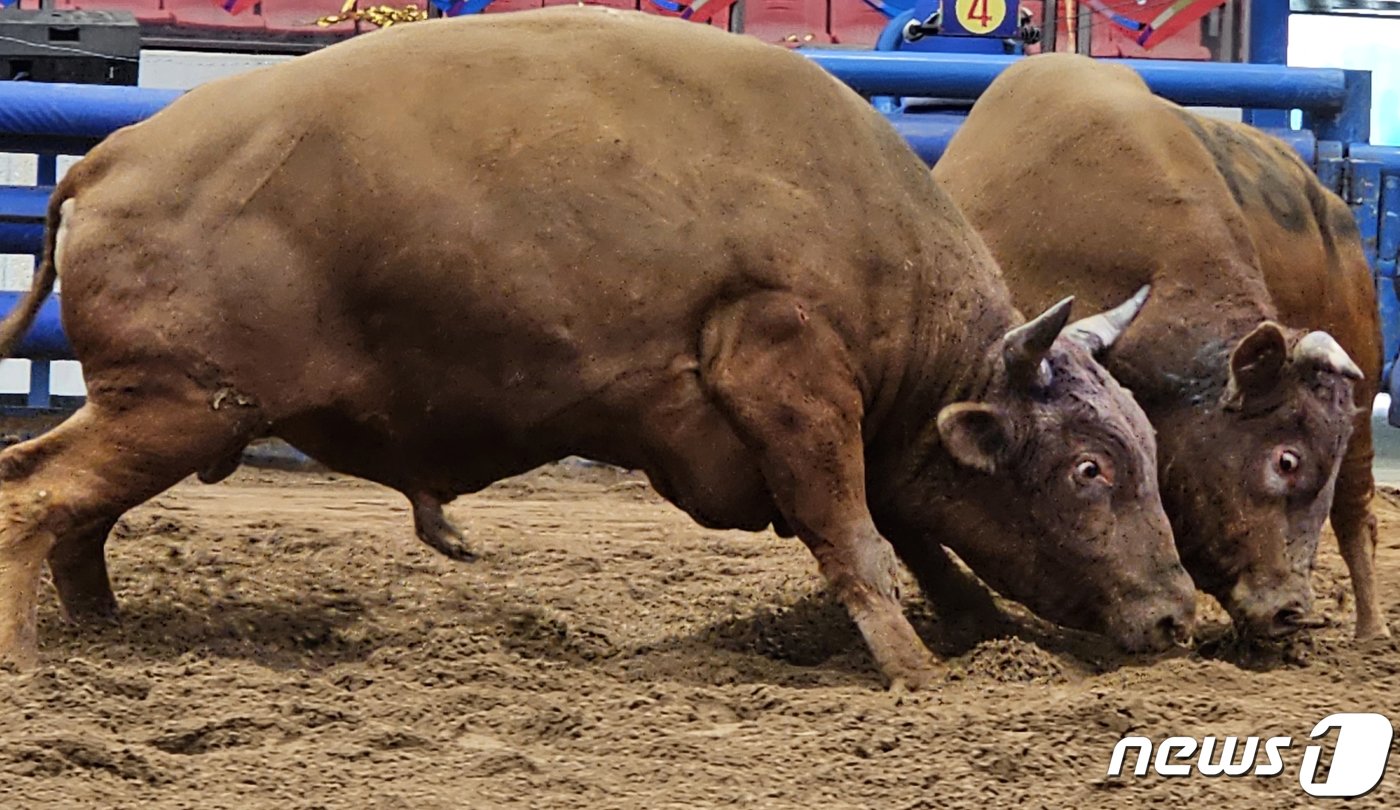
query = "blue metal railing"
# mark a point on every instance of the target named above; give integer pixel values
(45, 340)
(38, 117)
(22, 218)
(967, 75)
(34, 116)
(1336, 103)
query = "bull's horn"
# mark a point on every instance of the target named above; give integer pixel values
(1322, 351)
(1099, 332)
(1024, 348)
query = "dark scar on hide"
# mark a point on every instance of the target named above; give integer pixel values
(1336, 220)
(1331, 226)
(1223, 165)
(1276, 185)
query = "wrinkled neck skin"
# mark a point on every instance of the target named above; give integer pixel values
(957, 361)
(1178, 350)
(920, 497)
(952, 335)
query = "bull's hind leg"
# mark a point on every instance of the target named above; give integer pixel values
(783, 379)
(68, 485)
(1355, 525)
(78, 563)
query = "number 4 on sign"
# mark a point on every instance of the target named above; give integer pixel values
(981, 16)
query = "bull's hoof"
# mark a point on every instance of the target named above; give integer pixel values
(84, 592)
(437, 532)
(913, 680)
(454, 548)
(92, 614)
(19, 659)
(1374, 632)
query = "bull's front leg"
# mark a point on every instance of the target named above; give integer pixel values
(786, 383)
(965, 606)
(1354, 522)
(431, 525)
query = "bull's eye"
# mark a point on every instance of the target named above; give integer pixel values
(1288, 462)
(1093, 471)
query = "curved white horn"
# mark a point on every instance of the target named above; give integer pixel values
(1322, 351)
(1098, 332)
(1024, 348)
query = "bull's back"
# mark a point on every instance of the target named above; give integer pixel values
(580, 162)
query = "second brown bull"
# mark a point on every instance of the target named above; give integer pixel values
(1261, 335)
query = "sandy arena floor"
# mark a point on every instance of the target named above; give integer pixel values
(287, 643)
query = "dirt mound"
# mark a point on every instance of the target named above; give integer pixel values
(1010, 660)
(287, 643)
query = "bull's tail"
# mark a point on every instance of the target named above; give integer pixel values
(17, 323)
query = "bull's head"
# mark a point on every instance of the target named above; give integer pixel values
(1248, 466)
(1056, 502)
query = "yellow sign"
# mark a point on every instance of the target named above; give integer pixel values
(981, 16)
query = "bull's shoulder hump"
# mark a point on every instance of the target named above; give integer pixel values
(495, 48)
(1062, 101)
(512, 66)
(1063, 78)
(1069, 67)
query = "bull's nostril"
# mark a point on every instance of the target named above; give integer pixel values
(1174, 631)
(1289, 619)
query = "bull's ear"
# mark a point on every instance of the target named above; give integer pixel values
(976, 435)
(1256, 364)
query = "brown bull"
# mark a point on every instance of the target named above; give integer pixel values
(632, 239)
(1082, 181)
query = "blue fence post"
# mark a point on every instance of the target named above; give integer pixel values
(39, 395)
(1330, 165)
(1388, 238)
(40, 371)
(1352, 123)
(1365, 201)
(1268, 45)
(1364, 197)
(1387, 255)
(891, 37)
(1268, 33)
(48, 170)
